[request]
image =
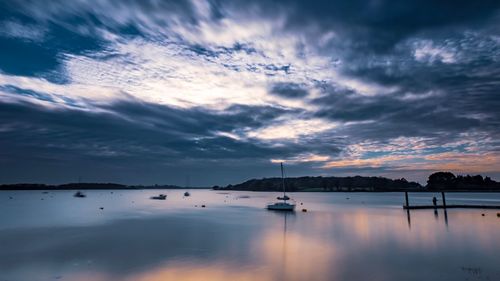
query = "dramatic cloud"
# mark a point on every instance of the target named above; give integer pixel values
(153, 91)
(288, 90)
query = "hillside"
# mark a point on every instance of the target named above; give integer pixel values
(356, 183)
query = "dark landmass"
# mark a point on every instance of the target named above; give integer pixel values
(440, 181)
(356, 183)
(87, 186)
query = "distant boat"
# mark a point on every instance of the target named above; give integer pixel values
(79, 194)
(159, 197)
(282, 206)
(186, 194)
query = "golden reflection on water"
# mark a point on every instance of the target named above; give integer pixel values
(281, 255)
(208, 272)
(317, 246)
(295, 256)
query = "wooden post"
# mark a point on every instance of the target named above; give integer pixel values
(409, 219)
(444, 199)
(406, 199)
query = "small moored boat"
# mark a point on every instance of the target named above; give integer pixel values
(282, 206)
(79, 194)
(159, 197)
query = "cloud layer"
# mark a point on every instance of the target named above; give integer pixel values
(154, 91)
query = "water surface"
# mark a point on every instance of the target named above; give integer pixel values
(342, 236)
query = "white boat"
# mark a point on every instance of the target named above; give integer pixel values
(281, 206)
(159, 197)
(284, 205)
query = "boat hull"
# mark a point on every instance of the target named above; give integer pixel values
(159, 197)
(281, 207)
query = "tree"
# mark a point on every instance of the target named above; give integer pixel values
(441, 180)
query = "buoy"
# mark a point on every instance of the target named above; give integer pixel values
(304, 210)
(102, 208)
(482, 215)
(498, 215)
(203, 206)
(301, 203)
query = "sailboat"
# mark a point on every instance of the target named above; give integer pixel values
(282, 206)
(79, 194)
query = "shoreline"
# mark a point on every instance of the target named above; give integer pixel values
(229, 190)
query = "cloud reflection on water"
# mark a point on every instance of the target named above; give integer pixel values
(349, 241)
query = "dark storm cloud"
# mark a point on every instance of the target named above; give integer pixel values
(392, 116)
(474, 56)
(132, 127)
(432, 96)
(376, 25)
(288, 90)
(130, 133)
(18, 91)
(447, 110)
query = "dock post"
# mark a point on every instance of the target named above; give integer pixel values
(406, 199)
(444, 199)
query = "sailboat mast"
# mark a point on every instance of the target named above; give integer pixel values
(283, 179)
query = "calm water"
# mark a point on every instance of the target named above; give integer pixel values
(342, 236)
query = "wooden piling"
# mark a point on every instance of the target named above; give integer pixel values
(406, 199)
(444, 199)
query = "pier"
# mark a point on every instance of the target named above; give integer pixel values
(407, 205)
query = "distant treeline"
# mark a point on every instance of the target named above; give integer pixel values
(357, 183)
(448, 181)
(82, 186)
(440, 181)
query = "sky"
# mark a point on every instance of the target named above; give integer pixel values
(218, 92)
